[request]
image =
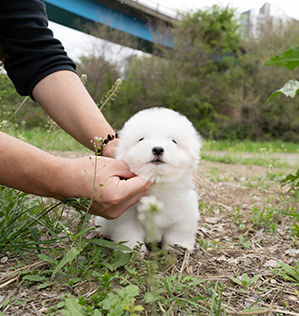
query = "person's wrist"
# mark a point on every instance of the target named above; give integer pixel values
(62, 186)
(110, 148)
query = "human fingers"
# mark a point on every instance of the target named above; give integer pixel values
(110, 148)
(114, 168)
(117, 195)
(130, 192)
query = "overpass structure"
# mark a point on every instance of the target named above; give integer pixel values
(126, 22)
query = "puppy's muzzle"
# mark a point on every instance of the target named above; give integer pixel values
(158, 151)
(158, 154)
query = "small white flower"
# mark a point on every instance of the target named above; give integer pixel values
(142, 217)
(84, 79)
(118, 81)
(98, 139)
(148, 209)
(150, 204)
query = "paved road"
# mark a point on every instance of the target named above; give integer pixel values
(292, 159)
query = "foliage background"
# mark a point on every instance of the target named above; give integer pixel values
(215, 75)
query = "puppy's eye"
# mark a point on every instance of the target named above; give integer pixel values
(174, 141)
(141, 139)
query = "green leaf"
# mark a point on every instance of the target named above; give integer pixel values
(47, 259)
(117, 301)
(254, 279)
(108, 244)
(120, 259)
(83, 232)
(67, 231)
(97, 253)
(34, 278)
(236, 280)
(288, 58)
(153, 296)
(131, 291)
(65, 313)
(5, 303)
(291, 178)
(68, 258)
(290, 89)
(111, 300)
(60, 305)
(286, 277)
(257, 310)
(289, 270)
(138, 308)
(116, 310)
(97, 313)
(73, 308)
(108, 265)
(245, 279)
(43, 286)
(273, 95)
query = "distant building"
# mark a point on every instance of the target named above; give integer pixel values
(251, 20)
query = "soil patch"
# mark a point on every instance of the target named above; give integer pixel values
(239, 233)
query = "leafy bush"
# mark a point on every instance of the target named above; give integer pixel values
(213, 76)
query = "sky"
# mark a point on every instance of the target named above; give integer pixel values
(290, 7)
(77, 43)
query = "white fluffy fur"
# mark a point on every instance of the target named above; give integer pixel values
(176, 223)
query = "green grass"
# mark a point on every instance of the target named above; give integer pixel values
(24, 219)
(250, 146)
(103, 280)
(56, 139)
(265, 154)
(237, 158)
(93, 277)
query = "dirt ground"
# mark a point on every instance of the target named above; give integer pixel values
(234, 201)
(239, 233)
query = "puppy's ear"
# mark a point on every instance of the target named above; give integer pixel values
(195, 146)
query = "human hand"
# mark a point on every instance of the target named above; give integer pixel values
(108, 182)
(110, 148)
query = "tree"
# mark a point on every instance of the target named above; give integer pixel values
(213, 76)
(101, 74)
(193, 78)
(258, 119)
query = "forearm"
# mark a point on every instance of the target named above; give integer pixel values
(113, 188)
(65, 99)
(28, 168)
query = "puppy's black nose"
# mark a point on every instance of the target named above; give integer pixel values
(158, 151)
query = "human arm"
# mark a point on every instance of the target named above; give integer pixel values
(32, 170)
(39, 66)
(65, 99)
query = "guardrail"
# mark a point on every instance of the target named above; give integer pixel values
(158, 7)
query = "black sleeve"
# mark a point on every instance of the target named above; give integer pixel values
(31, 52)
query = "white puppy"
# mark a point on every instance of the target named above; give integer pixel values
(161, 145)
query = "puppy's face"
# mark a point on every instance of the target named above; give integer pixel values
(159, 144)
